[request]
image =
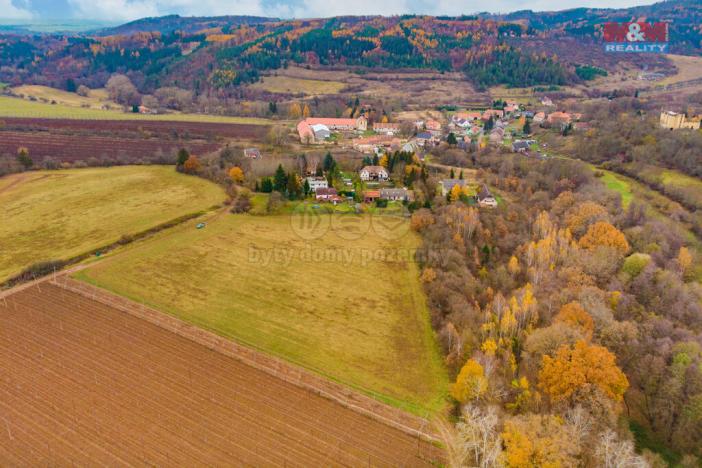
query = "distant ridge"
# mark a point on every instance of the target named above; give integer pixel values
(187, 24)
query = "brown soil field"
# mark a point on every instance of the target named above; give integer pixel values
(86, 384)
(143, 129)
(72, 148)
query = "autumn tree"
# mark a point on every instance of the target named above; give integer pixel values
(192, 165)
(295, 111)
(456, 192)
(23, 158)
(475, 441)
(236, 174)
(537, 441)
(582, 215)
(684, 259)
(574, 315)
(582, 365)
(603, 234)
(471, 382)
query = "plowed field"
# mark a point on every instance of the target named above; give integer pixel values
(85, 384)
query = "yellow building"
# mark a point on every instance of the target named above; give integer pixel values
(674, 121)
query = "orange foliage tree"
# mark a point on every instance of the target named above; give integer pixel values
(603, 234)
(191, 165)
(574, 368)
(574, 315)
(236, 174)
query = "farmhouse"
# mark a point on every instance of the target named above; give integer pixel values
(325, 194)
(373, 143)
(521, 146)
(425, 138)
(485, 198)
(314, 130)
(559, 118)
(386, 128)
(395, 194)
(675, 121)
(447, 184)
(546, 101)
(369, 196)
(539, 117)
(494, 113)
(497, 135)
(433, 126)
(470, 116)
(317, 183)
(378, 173)
(252, 153)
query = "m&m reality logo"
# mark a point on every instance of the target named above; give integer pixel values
(636, 37)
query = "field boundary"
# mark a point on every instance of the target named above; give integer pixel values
(347, 397)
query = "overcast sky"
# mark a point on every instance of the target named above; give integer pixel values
(123, 10)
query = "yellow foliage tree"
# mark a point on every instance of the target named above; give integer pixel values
(684, 260)
(306, 111)
(236, 174)
(456, 193)
(471, 382)
(384, 119)
(579, 366)
(513, 265)
(538, 441)
(603, 234)
(574, 315)
(295, 111)
(489, 347)
(383, 160)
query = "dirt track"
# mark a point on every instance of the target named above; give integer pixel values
(85, 384)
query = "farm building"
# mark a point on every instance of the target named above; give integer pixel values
(252, 153)
(317, 183)
(675, 121)
(386, 128)
(485, 198)
(314, 130)
(378, 173)
(395, 194)
(369, 196)
(324, 193)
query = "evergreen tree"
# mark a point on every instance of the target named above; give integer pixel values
(267, 185)
(460, 176)
(183, 156)
(453, 174)
(280, 180)
(329, 162)
(376, 161)
(527, 127)
(451, 139)
(273, 107)
(306, 188)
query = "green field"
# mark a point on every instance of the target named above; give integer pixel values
(287, 84)
(15, 107)
(56, 215)
(620, 185)
(312, 297)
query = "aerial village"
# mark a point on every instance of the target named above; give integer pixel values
(506, 124)
(411, 143)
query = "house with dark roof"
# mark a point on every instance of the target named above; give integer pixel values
(486, 198)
